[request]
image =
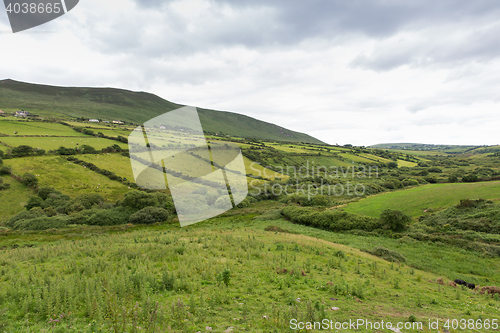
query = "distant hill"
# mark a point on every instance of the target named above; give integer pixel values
(450, 149)
(129, 106)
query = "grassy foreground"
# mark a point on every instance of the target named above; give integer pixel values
(217, 275)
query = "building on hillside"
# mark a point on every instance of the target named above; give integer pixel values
(117, 122)
(93, 120)
(22, 113)
(162, 127)
(1, 112)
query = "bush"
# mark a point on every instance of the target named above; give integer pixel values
(387, 254)
(6, 170)
(470, 178)
(41, 223)
(1, 160)
(435, 170)
(333, 220)
(410, 182)
(84, 201)
(44, 192)
(139, 200)
(392, 165)
(113, 216)
(149, 215)
(33, 202)
(2, 185)
(29, 179)
(395, 220)
(25, 215)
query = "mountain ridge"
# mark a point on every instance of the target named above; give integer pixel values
(133, 106)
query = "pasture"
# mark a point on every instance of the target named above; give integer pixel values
(68, 177)
(23, 127)
(414, 201)
(53, 143)
(220, 273)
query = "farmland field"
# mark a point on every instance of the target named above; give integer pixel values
(52, 143)
(13, 200)
(415, 200)
(67, 177)
(36, 128)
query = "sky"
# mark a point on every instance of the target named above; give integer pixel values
(346, 72)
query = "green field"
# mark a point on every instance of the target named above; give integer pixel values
(220, 273)
(12, 200)
(433, 196)
(67, 177)
(52, 143)
(35, 128)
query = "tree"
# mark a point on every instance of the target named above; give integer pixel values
(395, 220)
(29, 179)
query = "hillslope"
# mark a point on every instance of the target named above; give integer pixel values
(135, 107)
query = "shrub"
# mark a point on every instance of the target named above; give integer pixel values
(452, 179)
(84, 201)
(410, 182)
(149, 215)
(21, 151)
(392, 165)
(41, 223)
(435, 170)
(113, 216)
(333, 220)
(139, 200)
(2, 185)
(33, 202)
(6, 170)
(44, 192)
(387, 254)
(395, 220)
(1, 160)
(470, 178)
(25, 215)
(29, 179)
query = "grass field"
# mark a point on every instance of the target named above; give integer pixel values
(36, 128)
(167, 279)
(69, 178)
(13, 199)
(402, 163)
(415, 200)
(52, 143)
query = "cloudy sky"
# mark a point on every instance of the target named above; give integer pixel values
(360, 72)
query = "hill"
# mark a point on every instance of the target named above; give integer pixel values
(129, 106)
(449, 149)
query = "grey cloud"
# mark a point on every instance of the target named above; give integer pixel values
(435, 47)
(258, 23)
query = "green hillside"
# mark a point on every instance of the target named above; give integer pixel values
(432, 196)
(134, 107)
